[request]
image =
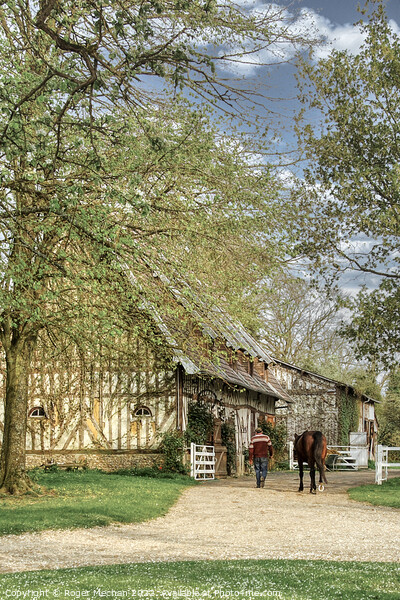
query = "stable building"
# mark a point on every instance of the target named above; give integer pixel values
(110, 412)
(320, 403)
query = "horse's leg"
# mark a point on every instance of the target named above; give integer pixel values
(301, 487)
(321, 469)
(313, 487)
(320, 455)
(322, 478)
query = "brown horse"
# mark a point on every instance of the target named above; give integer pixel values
(310, 447)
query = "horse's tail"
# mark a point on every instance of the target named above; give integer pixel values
(320, 453)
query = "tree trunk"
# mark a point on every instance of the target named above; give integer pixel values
(13, 477)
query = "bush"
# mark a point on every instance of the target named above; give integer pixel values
(173, 450)
(278, 436)
(200, 423)
(152, 472)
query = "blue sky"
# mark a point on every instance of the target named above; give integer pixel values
(334, 21)
(344, 12)
(334, 24)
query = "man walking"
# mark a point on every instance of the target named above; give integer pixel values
(259, 450)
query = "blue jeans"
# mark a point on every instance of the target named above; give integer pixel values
(261, 469)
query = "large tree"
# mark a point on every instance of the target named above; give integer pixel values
(110, 183)
(349, 205)
(300, 325)
(389, 411)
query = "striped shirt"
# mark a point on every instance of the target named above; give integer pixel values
(260, 446)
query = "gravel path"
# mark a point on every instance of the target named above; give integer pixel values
(227, 519)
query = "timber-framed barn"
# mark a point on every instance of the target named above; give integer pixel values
(320, 403)
(110, 412)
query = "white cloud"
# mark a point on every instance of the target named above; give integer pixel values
(339, 37)
(307, 24)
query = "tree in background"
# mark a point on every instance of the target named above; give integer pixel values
(301, 326)
(389, 412)
(111, 184)
(348, 217)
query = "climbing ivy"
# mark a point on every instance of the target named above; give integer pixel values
(228, 439)
(200, 423)
(278, 436)
(348, 418)
(173, 450)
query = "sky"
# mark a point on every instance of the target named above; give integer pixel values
(335, 21)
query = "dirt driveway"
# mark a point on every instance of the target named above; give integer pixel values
(228, 519)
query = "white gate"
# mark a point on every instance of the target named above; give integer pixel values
(291, 455)
(382, 463)
(359, 448)
(202, 462)
(341, 454)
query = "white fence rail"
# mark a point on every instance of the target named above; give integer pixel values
(382, 463)
(291, 455)
(345, 459)
(341, 458)
(202, 462)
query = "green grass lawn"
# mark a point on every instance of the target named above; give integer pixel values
(285, 579)
(387, 494)
(89, 499)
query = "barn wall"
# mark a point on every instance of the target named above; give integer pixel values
(90, 403)
(241, 407)
(94, 459)
(315, 403)
(90, 406)
(97, 410)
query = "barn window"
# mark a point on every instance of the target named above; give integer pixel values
(37, 412)
(142, 411)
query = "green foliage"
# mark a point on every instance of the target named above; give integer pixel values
(352, 183)
(389, 415)
(278, 436)
(113, 190)
(387, 494)
(228, 439)
(348, 417)
(173, 450)
(88, 499)
(241, 579)
(246, 456)
(155, 472)
(200, 422)
(365, 382)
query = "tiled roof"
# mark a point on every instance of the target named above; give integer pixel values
(219, 325)
(240, 378)
(322, 377)
(215, 364)
(216, 324)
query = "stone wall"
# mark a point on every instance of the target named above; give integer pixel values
(315, 403)
(106, 461)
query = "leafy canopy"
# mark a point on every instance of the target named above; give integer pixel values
(104, 181)
(350, 200)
